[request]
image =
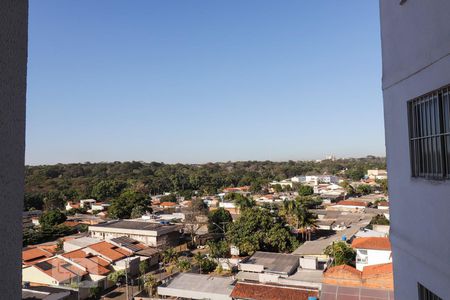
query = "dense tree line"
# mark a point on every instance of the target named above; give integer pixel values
(49, 186)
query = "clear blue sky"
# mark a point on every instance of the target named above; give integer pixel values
(199, 81)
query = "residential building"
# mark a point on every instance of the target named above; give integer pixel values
(30, 256)
(416, 75)
(30, 218)
(376, 174)
(371, 251)
(315, 179)
(197, 286)
(346, 282)
(242, 189)
(149, 233)
(282, 270)
(349, 205)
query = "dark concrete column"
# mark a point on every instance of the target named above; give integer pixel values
(13, 78)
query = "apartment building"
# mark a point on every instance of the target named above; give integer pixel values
(416, 79)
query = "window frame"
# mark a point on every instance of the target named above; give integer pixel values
(429, 134)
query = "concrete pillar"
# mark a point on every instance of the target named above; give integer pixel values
(13, 76)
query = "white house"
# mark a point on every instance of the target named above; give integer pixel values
(371, 251)
(376, 174)
(416, 70)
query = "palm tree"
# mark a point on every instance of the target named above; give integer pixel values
(306, 221)
(169, 256)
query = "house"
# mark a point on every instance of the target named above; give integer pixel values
(315, 179)
(197, 286)
(371, 251)
(348, 205)
(72, 205)
(149, 233)
(283, 183)
(30, 256)
(47, 293)
(343, 281)
(53, 271)
(168, 204)
(99, 206)
(270, 263)
(376, 174)
(30, 218)
(383, 205)
(242, 189)
(258, 291)
(281, 269)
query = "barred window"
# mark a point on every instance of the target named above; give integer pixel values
(425, 294)
(429, 135)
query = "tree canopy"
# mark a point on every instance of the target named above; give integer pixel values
(257, 229)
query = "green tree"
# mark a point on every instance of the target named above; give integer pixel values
(117, 276)
(95, 292)
(169, 198)
(341, 253)
(219, 249)
(107, 189)
(52, 218)
(305, 190)
(184, 264)
(169, 256)
(253, 229)
(218, 219)
(364, 189)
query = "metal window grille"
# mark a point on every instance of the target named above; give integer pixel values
(425, 294)
(429, 134)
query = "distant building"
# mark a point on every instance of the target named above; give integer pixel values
(376, 174)
(149, 233)
(315, 179)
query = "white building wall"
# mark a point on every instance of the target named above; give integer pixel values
(374, 257)
(416, 60)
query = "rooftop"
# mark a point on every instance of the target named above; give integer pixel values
(134, 225)
(244, 290)
(274, 262)
(198, 285)
(33, 255)
(372, 243)
(352, 203)
(333, 292)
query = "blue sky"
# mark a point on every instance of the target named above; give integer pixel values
(198, 81)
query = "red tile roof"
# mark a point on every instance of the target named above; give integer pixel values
(352, 203)
(109, 251)
(34, 255)
(270, 292)
(60, 269)
(377, 270)
(372, 243)
(168, 204)
(375, 276)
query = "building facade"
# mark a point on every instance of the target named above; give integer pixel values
(416, 73)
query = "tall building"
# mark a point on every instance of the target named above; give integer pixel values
(416, 77)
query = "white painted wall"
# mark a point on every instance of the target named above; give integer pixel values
(415, 48)
(374, 257)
